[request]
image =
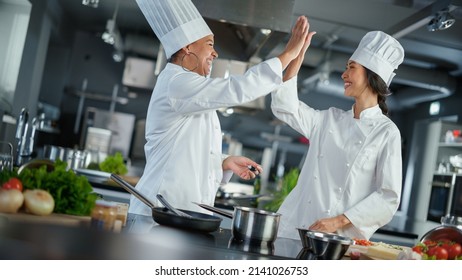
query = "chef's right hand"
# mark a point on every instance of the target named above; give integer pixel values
(331, 224)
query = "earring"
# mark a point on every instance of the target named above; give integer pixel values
(197, 62)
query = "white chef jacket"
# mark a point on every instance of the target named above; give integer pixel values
(183, 133)
(353, 166)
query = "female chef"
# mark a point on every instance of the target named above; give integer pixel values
(350, 182)
(184, 160)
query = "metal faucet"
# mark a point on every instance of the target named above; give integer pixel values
(25, 142)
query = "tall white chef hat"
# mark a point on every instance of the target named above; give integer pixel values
(380, 53)
(176, 23)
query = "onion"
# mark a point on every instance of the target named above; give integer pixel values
(10, 200)
(39, 202)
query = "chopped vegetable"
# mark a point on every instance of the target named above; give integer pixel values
(362, 242)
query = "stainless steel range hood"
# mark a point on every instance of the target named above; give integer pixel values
(260, 24)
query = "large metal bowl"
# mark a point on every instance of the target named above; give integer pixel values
(304, 238)
(443, 232)
(328, 246)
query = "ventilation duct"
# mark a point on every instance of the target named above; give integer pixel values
(422, 85)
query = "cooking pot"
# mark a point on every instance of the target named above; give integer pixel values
(161, 215)
(262, 248)
(250, 223)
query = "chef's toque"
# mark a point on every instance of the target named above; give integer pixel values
(177, 23)
(380, 53)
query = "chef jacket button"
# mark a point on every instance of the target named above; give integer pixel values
(348, 165)
(315, 177)
(330, 131)
(360, 142)
(328, 212)
(339, 189)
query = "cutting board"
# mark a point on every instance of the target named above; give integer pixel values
(56, 219)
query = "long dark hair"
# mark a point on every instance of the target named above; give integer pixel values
(380, 87)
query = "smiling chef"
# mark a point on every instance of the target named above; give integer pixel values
(184, 161)
(351, 179)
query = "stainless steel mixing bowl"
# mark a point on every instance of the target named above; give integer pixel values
(328, 246)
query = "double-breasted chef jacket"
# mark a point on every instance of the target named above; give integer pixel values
(353, 166)
(183, 133)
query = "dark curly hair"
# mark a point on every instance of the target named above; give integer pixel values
(380, 87)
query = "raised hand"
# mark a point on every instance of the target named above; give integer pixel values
(296, 41)
(294, 66)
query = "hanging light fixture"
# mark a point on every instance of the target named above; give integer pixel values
(442, 20)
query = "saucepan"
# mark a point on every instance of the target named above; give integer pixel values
(178, 218)
(251, 224)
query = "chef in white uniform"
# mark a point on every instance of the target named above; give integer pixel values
(184, 139)
(350, 182)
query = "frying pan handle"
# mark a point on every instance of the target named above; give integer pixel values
(129, 188)
(215, 210)
(171, 208)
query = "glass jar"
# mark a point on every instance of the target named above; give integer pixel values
(103, 215)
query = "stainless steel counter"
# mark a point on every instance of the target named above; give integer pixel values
(215, 245)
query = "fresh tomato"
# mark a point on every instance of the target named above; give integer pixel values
(430, 243)
(439, 252)
(13, 183)
(454, 251)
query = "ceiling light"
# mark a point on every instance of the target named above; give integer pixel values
(442, 20)
(265, 31)
(90, 3)
(434, 108)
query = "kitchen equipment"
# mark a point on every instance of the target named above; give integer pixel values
(250, 223)
(450, 220)
(456, 161)
(23, 152)
(6, 159)
(75, 158)
(443, 232)
(305, 254)
(37, 163)
(171, 208)
(304, 238)
(161, 215)
(328, 246)
(264, 248)
(54, 153)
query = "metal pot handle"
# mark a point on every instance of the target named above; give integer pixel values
(215, 210)
(171, 208)
(132, 190)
